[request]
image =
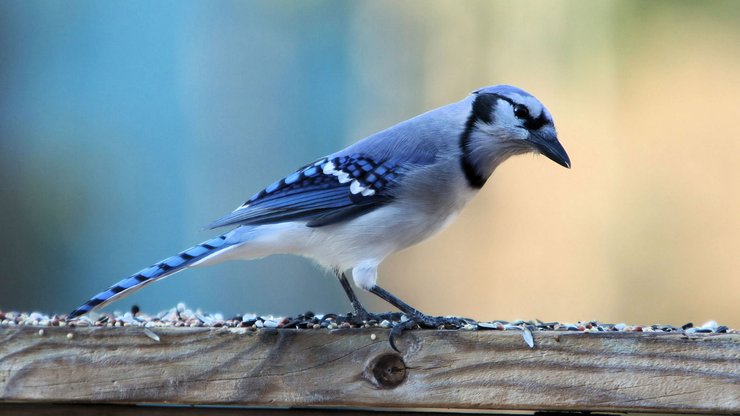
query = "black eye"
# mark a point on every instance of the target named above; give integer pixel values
(521, 112)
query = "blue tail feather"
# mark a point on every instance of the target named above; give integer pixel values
(153, 273)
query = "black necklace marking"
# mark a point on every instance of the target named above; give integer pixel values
(483, 106)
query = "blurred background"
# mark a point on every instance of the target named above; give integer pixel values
(126, 127)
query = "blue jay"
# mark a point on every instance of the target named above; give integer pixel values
(349, 210)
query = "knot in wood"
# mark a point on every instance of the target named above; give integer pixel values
(386, 370)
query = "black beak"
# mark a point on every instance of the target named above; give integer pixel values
(547, 144)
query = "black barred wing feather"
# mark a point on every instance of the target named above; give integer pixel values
(328, 191)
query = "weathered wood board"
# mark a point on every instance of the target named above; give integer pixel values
(622, 372)
(71, 409)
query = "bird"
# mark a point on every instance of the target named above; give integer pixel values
(351, 209)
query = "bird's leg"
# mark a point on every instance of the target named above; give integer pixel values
(359, 311)
(415, 317)
(395, 301)
(360, 315)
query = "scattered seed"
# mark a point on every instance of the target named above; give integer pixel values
(181, 316)
(148, 332)
(528, 338)
(711, 325)
(270, 323)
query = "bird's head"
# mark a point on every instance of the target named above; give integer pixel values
(506, 121)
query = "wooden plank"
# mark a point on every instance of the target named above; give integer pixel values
(16, 409)
(493, 370)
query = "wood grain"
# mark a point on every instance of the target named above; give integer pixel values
(347, 367)
(26, 409)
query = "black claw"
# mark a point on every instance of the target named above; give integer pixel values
(397, 330)
(424, 321)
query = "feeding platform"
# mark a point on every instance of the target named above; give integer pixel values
(685, 370)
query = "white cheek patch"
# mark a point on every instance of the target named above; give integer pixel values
(504, 116)
(505, 126)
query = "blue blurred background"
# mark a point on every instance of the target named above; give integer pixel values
(126, 127)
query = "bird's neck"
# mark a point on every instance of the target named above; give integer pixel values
(480, 155)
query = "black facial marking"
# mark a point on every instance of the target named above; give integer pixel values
(483, 106)
(522, 113)
(536, 123)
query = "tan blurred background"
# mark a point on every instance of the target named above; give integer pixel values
(646, 226)
(127, 127)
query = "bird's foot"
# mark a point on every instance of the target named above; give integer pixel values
(362, 317)
(424, 321)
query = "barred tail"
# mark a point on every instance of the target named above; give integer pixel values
(158, 271)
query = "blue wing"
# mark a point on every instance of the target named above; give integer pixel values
(331, 190)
